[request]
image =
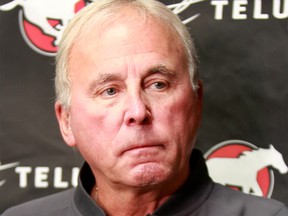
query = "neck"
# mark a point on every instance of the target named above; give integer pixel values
(127, 203)
(131, 201)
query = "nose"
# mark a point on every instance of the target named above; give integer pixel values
(137, 111)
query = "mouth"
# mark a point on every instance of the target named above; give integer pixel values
(138, 149)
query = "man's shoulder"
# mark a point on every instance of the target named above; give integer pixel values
(55, 204)
(230, 202)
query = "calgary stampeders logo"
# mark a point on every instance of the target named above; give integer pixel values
(42, 21)
(245, 167)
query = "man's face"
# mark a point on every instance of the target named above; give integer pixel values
(133, 114)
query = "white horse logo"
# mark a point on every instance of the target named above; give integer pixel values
(38, 12)
(242, 172)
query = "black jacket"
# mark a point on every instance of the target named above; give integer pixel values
(199, 196)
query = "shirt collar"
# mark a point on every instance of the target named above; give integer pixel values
(186, 199)
(83, 202)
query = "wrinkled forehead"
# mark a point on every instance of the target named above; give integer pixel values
(128, 29)
(96, 26)
(127, 40)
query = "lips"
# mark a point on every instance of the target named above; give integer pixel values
(141, 148)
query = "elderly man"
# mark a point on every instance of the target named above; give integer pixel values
(129, 99)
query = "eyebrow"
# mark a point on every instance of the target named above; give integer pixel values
(102, 79)
(161, 69)
(107, 77)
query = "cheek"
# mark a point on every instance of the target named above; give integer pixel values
(93, 137)
(178, 112)
(89, 125)
(91, 117)
(178, 120)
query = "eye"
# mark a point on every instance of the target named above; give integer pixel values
(159, 85)
(109, 92)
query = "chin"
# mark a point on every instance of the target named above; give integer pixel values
(149, 174)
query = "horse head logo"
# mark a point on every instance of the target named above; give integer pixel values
(276, 160)
(243, 166)
(42, 21)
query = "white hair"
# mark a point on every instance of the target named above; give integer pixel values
(103, 11)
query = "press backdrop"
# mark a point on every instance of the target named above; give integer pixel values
(243, 48)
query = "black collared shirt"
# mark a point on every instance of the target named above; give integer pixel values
(199, 196)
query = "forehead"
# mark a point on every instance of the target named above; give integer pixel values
(130, 35)
(99, 23)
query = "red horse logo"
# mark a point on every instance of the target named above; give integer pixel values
(42, 21)
(243, 166)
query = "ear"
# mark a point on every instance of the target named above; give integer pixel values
(199, 93)
(198, 97)
(63, 117)
(271, 146)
